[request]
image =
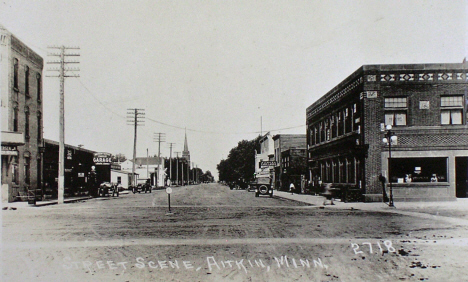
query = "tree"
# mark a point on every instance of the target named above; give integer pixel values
(119, 158)
(240, 163)
(207, 177)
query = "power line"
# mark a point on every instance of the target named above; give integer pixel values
(188, 129)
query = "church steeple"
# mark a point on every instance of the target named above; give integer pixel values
(186, 152)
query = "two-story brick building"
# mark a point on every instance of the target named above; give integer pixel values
(21, 110)
(284, 142)
(427, 106)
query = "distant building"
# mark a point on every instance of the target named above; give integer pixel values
(21, 111)
(266, 153)
(283, 142)
(294, 168)
(146, 168)
(426, 104)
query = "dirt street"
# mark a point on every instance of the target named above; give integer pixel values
(218, 234)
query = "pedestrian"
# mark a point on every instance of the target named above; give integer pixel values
(382, 179)
(328, 194)
(303, 184)
(291, 188)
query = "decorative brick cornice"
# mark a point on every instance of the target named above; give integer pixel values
(335, 96)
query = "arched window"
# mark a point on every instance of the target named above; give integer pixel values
(26, 122)
(39, 86)
(39, 127)
(26, 81)
(15, 118)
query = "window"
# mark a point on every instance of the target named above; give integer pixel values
(39, 127)
(14, 170)
(26, 81)
(39, 86)
(348, 121)
(451, 110)
(404, 170)
(26, 122)
(15, 74)
(15, 119)
(27, 170)
(395, 111)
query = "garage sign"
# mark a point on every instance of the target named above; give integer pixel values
(102, 158)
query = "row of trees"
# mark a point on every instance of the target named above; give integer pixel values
(240, 163)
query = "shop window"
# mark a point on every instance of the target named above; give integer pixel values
(407, 170)
(395, 111)
(26, 81)
(15, 74)
(451, 110)
(350, 170)
(342, 169)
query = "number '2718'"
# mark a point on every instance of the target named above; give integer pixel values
(367, 245)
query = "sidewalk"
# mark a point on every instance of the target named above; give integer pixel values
(16, 205)
(453, 211)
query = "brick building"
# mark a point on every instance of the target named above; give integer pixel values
(427, 106)
(283, 142)
(294, 168)
(21, 94)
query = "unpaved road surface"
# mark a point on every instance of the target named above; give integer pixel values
(217, 234)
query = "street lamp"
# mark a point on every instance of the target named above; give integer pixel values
(390, 138)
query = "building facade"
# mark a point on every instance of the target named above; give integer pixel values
(283, 142)
(21, 111)
(266, 153)
(426, 105)
(294, 169)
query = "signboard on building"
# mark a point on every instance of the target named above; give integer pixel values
(102, 158)
(267, 163)
(9, 150)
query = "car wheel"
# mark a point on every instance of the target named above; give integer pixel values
(256, 195)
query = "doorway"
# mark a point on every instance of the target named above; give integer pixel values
(461, 177)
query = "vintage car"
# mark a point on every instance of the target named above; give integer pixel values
(142, 187)
(108, 189)
(262, 186)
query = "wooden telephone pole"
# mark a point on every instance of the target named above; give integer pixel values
(135, 117)
(62, 75)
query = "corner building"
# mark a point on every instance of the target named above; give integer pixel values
(426, 105)
(21, 111)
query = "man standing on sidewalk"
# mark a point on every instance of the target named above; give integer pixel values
(382, 179)
(291, 188)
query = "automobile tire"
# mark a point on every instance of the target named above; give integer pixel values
(263, 189)
(256, 194)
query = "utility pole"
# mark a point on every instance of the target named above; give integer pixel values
(62, 75)
(177, 167)
(170, 160)
(159, 137)
(135, 117)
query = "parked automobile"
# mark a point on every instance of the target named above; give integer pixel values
(108, 189)
(262, 186)
(142, 187)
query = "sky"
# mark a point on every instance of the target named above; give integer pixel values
(219, 71)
